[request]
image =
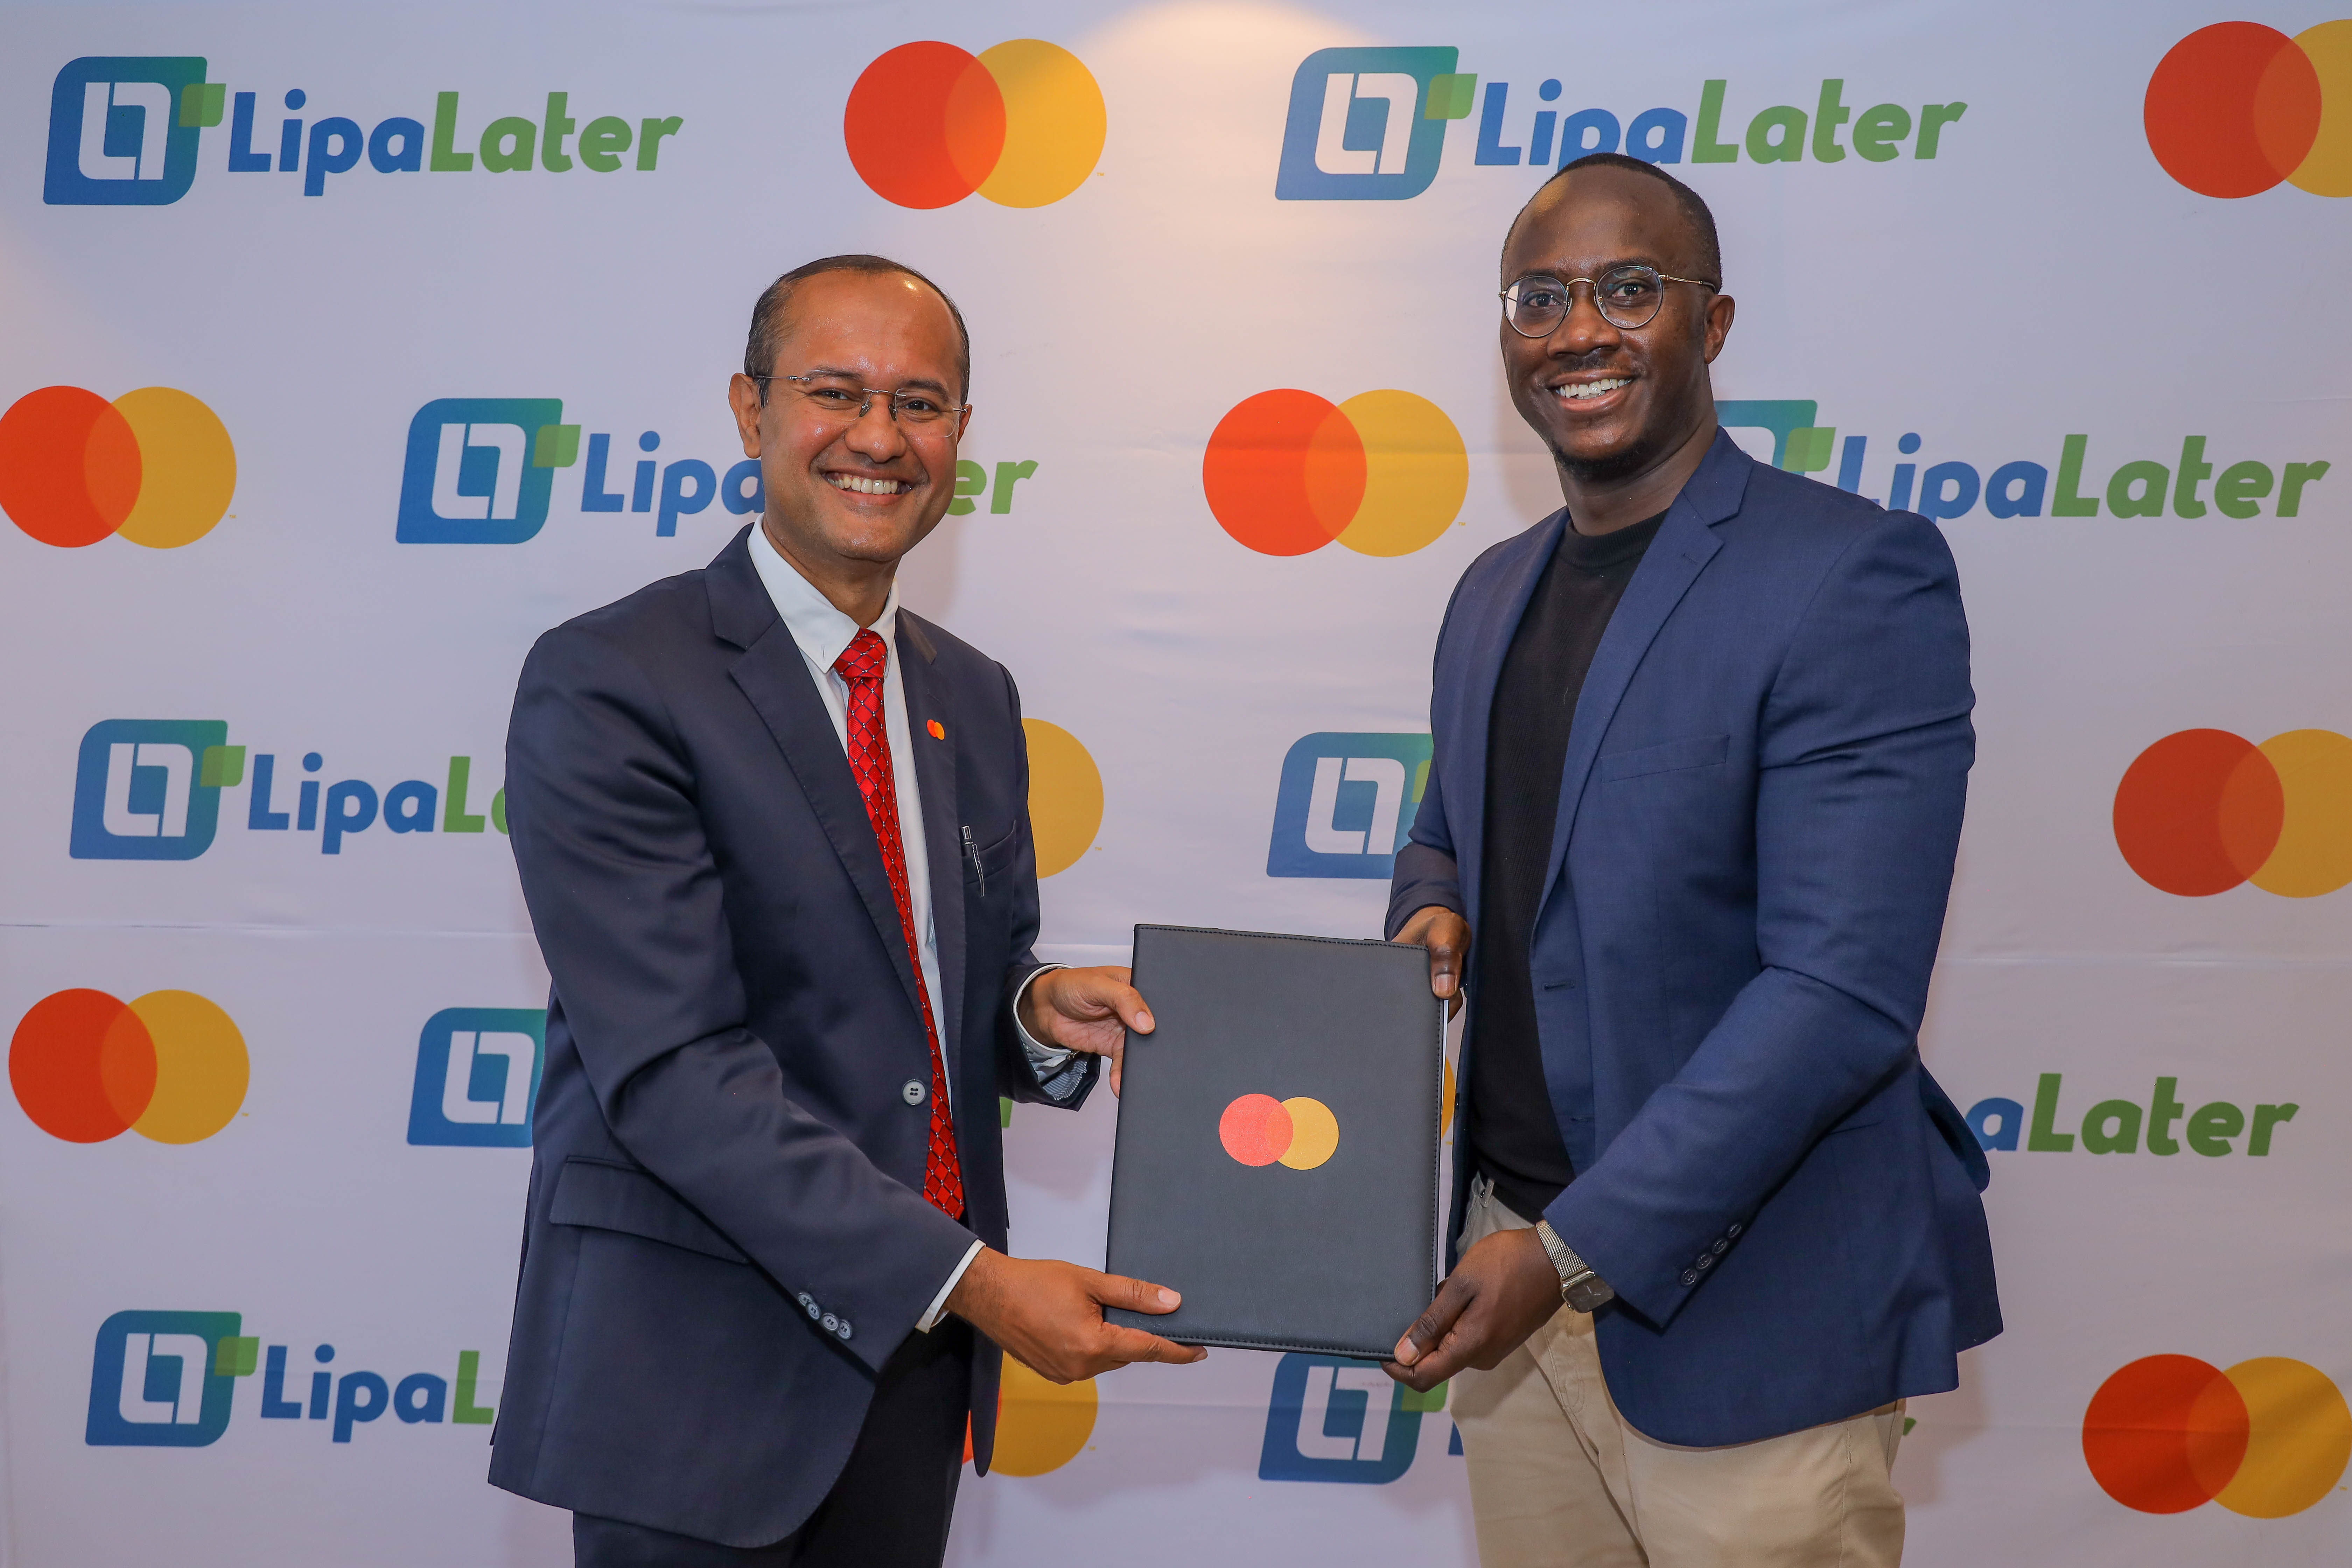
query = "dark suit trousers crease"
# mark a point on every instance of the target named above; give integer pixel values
(891, 1506)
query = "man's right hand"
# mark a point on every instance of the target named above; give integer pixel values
(1447, 937)
(1048, 1315)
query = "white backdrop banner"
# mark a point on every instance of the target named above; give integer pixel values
(343, 349)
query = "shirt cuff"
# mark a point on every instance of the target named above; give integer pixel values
(1058, 1069)
(931, 1318)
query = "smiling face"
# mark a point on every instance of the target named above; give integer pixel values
(848, 493)
(1614, 403)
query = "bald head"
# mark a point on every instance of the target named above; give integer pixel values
(772, 318)
(1704, 252)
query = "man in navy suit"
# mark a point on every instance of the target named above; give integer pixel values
(773, 831)
(1702, 746)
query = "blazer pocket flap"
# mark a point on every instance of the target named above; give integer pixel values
(991, 862)
(1691, 752)
(615, 1197)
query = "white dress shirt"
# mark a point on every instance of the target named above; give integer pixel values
(823, 634)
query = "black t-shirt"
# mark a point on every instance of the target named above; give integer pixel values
(1515, 1137)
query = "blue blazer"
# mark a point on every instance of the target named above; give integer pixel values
(1758, 817)
(726, 1236)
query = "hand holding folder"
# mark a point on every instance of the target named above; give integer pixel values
(1277, 1140)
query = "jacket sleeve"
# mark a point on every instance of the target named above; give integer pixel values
(1016, 1071)
(624, 895)
(1426, 871)
(1863, 754)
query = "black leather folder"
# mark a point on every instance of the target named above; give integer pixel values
(1229, 1184)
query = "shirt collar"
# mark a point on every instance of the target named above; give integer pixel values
(822, 632)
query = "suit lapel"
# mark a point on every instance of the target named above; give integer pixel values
(1482, 668)
(1686, 543)
(935, 778)
(775, 679)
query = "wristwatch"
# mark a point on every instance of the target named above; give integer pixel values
(1580, 1286)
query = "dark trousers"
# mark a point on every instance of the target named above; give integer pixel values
(889, 1508)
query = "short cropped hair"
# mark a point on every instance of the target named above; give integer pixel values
(768, 314)
(1692, 206)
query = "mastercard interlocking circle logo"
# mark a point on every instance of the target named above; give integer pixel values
(169, 1066)
(2237, 107)
(1022, 124)
(1383, 473)
(1258, 1130)
(155, 466)
(2200, 812)
(2266, 1438)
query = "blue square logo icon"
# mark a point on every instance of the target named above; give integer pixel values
(477, 1076)
(1346, 803)
(1335, 1419)
(473, 473)
(1359, 128)
(157, 1380)
(117, 136)
(139, 791)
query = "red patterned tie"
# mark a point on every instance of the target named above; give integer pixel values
(861, 664)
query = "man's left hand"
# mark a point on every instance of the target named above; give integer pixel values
(1088, 1010)
(1504, 1289)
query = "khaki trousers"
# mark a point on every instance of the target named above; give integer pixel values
(1557, 1476)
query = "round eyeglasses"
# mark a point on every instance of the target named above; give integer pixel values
(1627, 298)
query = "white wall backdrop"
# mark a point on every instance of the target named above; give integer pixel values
(2046, 290)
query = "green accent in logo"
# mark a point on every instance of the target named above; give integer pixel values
(464, 1412)
(1784, 417)
(555, 447)
(454, 817)
(1428, 1404)
(237, 1357)
(201, 102)
(222, 767)
(1808, 448)
(1450, 95)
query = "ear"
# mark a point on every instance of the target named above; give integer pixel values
(744, 400)
(1720, 308)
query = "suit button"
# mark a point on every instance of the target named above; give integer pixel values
(1733, 1230)
(1721, 1247)
(1690, 1276)
(912, 1091)
(832, 1323)
(1707, 1260)
(843, 1329)
(813, 1310)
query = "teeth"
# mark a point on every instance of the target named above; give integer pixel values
(865, 487)
(1576, 392)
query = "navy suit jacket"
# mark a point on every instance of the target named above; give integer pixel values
(726, 1236)
(1757, 823)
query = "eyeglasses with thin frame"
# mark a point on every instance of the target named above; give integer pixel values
(840, 397)
(1628, 298)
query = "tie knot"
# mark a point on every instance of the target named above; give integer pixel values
(864, 658)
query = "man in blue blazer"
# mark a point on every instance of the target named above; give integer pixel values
(773, 831)
(1702, 746)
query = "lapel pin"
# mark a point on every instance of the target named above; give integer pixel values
(939, 731)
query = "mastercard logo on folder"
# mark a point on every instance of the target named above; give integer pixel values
(1259, 1129)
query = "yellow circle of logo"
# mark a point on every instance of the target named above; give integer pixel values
(1040, 1426)
(1066, 796)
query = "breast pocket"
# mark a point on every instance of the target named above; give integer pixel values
(987, 864)
(1665, 757)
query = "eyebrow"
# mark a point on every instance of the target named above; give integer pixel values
(923, 383)
(1604, 268)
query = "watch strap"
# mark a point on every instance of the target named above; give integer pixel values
(1580, 1286)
